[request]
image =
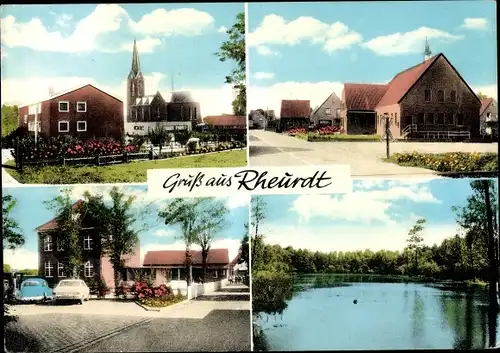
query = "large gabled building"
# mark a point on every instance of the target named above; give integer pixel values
(429, 100)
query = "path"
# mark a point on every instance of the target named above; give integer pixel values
(365, 158)
(7, 179)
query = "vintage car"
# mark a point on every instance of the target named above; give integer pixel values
(72, 289)
(33, 290)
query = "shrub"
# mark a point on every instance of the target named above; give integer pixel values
(449, 162)
(158, 296)
(270, 291)
(98, 286)
(297, 131)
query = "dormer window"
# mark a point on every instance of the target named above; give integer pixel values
(81, 107)
(63, 106)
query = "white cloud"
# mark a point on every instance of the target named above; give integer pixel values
(164, 233)
(489, 90)
(475, 23)
(188, 22)
(222, 29)
(233, 246)
(240, 200)
(263, 75)
(34, 34)
(352, 238)
(360, 206)
(146, 45)
(408, 42)
(21, 259)
(264, 50)
(269, 97)
(275, 29)
(213, 101)
(64, 20)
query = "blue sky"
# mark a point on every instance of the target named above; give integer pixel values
(30, 201)
(308, 50)
(65, 45)
(377, 215)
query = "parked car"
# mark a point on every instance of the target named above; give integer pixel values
(72, 289)
(33, 290)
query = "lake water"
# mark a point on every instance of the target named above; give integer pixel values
(322, 316)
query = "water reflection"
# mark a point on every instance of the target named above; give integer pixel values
(420, 316)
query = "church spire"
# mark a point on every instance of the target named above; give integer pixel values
(427, 50)
(136, 65)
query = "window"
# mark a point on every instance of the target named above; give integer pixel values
(64, 106)
(420, 119)
(39, 108)
(47, 243)
(441, 96)
(81, 107)
(49, 269)
(440, 118)
(81, 126)
(453, 96)
(89, 269)
(460, 120)
(64, 126)
(35, 109)
(60, 270)
(429, 119)
(87, 242)
(488, 115)
(448, 119)
(60, 246)
(427, 94)
(26, 119)
(328, 111)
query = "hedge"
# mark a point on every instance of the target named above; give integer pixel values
(449, 162)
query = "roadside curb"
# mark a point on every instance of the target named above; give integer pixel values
(148, 308)
(79, 346)
(191, 155)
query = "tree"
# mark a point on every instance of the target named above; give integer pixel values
(9, 119)
(244, 253)
(7, 268)
(234, 49)
(481, 95)
(415, 239)
(69, 225)
(258, 215)
(115, 224)
(213, 216)
(185, 214)
(158, 136)
(12, 238)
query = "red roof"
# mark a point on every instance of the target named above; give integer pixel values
(52, 224)
(177, 257)
(236, 259)
(295, 109)
(360, 96)
(485, 103)
(226, 120)
(402, 82)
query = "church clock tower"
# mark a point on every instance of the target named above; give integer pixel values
(135, 82)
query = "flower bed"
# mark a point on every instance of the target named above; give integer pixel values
(329, 130)
(314, 136)
(154, 296)
(448, 162)
(300, 133)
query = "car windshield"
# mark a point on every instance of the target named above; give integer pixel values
(32, 284)
(69, 284)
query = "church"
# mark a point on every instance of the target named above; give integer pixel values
(144, 112)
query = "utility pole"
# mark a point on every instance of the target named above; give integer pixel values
(387, 134)
(493, 280)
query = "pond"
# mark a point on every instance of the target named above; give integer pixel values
(389, 314)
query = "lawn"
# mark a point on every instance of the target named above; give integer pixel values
(448, 162)
(133, 172)
(343, 137)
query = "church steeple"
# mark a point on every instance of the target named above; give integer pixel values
(136, 64)
(427, 50)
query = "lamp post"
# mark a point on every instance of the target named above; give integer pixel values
(387, 134)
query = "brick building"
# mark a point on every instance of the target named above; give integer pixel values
(429, 100)
(83, 112)
(144, 112)
(295, 114)
(53, 260)
(227, 122)
(328, 113)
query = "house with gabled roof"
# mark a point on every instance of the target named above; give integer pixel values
(489, 117)
(84, 112)
(295, 114)
(429, 100)
(328, 113)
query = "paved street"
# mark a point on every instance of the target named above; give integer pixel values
(219, 321)
(272, 149)
(7, 179)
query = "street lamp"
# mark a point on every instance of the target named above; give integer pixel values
(387, 134)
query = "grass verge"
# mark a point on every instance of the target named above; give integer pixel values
(133, 172)
(448, 162)
(343, 137)
(161, 302)
(299, 136)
